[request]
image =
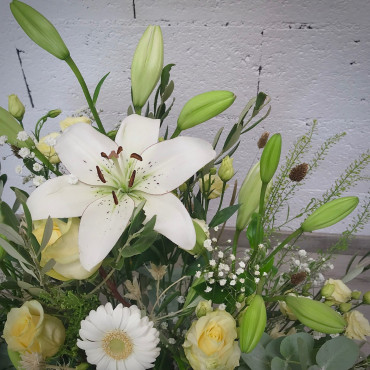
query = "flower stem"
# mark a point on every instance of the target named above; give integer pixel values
(235, 246)
(85, 90)
(46, 162)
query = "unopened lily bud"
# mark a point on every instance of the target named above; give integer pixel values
(327, 290)
(147, 64)
(15, 107)
(345, 307)
(253, 324)
(366, 298)
(54, 113)
(203, 308)
(330, 213)
(183, 187)
(39, 29)
(249, 197)
(226, 170)
(316, 315)
(270, 158)
(356, 294)
(10, 127)
(203, 107)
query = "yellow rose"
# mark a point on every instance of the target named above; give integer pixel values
(215, 189)
(69, 121)
(46, 147)
(28, 329)
(341, 292)
(357, 325)
(63, 248)
(210, 342)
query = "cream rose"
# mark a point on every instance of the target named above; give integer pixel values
(46, 147)
(28, 329)
(63, 248)
(211, 342)
(341, 292)
(357, 325)
(69, 121)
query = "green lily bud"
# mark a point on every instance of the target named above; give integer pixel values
(249, 196)
(316, 315)
(201, 234)
(39, 29)
(270, 158)
(10, 127)
(147, 64)
(366, 298)
(54, 113)
(330, 213)
(15, 107)
(203, 107)
(226, 170)
(345, 307)
(356, 294)
(327, 290)
(253, 324)
(203, 308)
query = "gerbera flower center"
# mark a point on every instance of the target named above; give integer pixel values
(117, 344)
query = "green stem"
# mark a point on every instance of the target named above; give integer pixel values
(85, 90)
(176, 133)
(45, 161)
(222, 195)
(235, 246)
(260, 285)
(293, 235)
(137, 110)
(261, 208)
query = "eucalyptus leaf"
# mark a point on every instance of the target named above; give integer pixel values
(339, 353)
(11, 234)
(278, 364)
(257, 359)
(292, 351)
(273, 348)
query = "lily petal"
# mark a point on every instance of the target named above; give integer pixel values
(80, 148)
(101, 225)
(168, 164)
(57, 198)
(173, 220)
(137, 133)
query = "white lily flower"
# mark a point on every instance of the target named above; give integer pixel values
(116, 176)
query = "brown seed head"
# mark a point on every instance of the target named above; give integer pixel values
(298, 278)
(263, 140)
(298, 172)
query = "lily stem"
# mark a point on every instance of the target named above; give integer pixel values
(85, 90)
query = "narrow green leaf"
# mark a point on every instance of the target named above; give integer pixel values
(168, 91)
(28, 270)
(217, 138)
(47, 233)
(8, 216)
(48, 266)
(98, 87)
(130, 110)
(223, 215)
(11, 234)
(165, 77)
(167, 301)
(140, 245)
(12, 251)
(21, 195)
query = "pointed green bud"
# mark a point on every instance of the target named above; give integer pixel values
(213, 171)
(356, 294)
(249, 197)
(203, 107)
(330, 213)
(39, 29)
(10, 127)
(366, 298)
(147, 64)
(15, 107)
(270, 158)
(54, 113)
(203, 308)
(226, 170)
(327, 290)
(316, 315)
(253, 323)
(345, 307)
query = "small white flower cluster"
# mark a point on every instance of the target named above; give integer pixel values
(22, 136)
(302, 263)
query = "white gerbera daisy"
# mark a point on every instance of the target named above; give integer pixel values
(119, 339)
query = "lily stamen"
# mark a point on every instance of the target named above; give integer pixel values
(100, 175)
(112, 155)
(115, 199)
(104, 155)
(136, 156)
(132, 178)
(119, 150)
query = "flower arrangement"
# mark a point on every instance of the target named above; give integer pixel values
(117, 261)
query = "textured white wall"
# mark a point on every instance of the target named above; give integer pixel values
(311, 57)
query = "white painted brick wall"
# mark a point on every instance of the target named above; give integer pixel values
(314, 57)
